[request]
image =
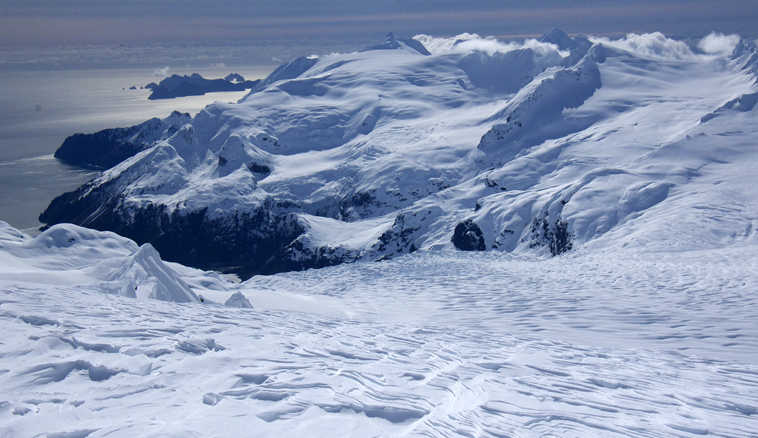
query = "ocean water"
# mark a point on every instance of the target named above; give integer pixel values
(39, 109)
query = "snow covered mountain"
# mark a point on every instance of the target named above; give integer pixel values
(466, 142)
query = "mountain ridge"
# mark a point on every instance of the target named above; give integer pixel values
(390, 150)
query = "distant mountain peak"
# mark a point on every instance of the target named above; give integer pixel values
(392, 43)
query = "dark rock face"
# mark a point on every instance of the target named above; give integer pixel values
(196, 85)
(244, 243)
(399, 238)
(356, 205)
(304, 257)
(106, 148)
(266, 240)
(554, 235)
(260, 169)
(468, 237)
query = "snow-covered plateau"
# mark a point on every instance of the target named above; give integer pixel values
(555, 237)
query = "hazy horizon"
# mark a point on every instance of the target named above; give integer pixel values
(46, 23)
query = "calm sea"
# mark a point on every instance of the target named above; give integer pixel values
(39, 109)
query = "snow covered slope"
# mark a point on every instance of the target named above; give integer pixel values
(598, 343)
(536, 147)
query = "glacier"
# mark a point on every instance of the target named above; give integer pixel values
(551, 237)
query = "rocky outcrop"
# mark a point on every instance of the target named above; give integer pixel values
(468, 237)
(554, 235)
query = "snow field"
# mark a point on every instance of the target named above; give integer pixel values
(436, 344)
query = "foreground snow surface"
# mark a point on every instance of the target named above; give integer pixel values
(608, 343)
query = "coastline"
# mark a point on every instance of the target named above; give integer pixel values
(42, 108)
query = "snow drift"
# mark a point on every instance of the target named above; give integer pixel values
(84, 257)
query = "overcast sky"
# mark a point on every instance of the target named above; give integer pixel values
(71, 22)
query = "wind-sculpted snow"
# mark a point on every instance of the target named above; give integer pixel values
(238, 300)
(145, 274)
(618, 342)
(543, 146)
(80, 256)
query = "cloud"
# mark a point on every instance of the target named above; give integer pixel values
(162, 72)
(648, 45)
(470, 42)
(718, 43)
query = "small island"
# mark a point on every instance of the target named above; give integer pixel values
(196, 85)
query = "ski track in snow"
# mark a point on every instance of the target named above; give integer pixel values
(443, 344)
